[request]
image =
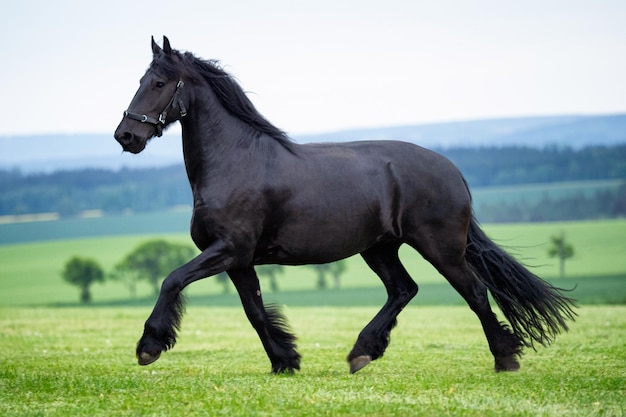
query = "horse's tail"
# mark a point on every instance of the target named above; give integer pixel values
(535, 309)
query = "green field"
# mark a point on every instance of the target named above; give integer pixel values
(79, 228)
(533, 193)
(80, 362)
(177, 220)
(30, 273)
(58, 358)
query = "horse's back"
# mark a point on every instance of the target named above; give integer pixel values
(429, 188)
(346, 197)
(374, 153)
(414, 171)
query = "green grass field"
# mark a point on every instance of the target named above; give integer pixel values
(58, 358)
(177, 220)
(30, 273)
(533, 193)
(163, 222)
(80, 362)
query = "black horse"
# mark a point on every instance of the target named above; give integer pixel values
(260, 198)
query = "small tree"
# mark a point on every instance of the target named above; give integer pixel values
(335, 269)
(83, 272)
(127, 276)
(152, 260)
(270, 271)
(223, 278)
(560, 248)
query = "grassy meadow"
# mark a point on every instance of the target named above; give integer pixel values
(30, 273)
(534, 193)
(80, 362)
(59, 358)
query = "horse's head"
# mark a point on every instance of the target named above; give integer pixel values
(157, 103)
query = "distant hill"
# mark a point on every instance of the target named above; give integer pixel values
(536, 132)
(45, 153)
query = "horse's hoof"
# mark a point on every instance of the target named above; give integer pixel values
(359, 363)
(506, 364)
(145, 358)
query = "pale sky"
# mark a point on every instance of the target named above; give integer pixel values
(318, 66)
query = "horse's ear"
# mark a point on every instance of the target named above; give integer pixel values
(166, 46)
(156, 49)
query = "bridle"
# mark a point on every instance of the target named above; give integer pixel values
(159, 123)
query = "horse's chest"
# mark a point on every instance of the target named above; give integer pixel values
(235, 225)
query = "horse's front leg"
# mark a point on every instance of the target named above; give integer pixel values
(160, 329)
(271, 326)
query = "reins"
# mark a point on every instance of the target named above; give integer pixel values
(159, 123)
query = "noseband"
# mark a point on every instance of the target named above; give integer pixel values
(160, 122)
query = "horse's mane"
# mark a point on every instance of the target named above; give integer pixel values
(229, 93)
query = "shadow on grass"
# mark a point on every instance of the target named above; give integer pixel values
(609, 289)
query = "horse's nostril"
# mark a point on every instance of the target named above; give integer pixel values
(124, 138)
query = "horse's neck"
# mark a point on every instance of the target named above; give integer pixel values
(211, 137)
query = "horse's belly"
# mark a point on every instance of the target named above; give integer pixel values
(321, 241)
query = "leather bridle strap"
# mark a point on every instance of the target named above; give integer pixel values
(160, 122)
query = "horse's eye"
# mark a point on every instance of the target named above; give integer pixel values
(159, 84)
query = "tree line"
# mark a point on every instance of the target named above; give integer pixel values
(490, 166)
(71, 192)
(603, 204)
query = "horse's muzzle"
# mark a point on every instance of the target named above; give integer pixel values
(130, 142)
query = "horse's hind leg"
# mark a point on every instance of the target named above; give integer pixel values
(374, 338)
(448, 257)
(503, 344)
(270, 325)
